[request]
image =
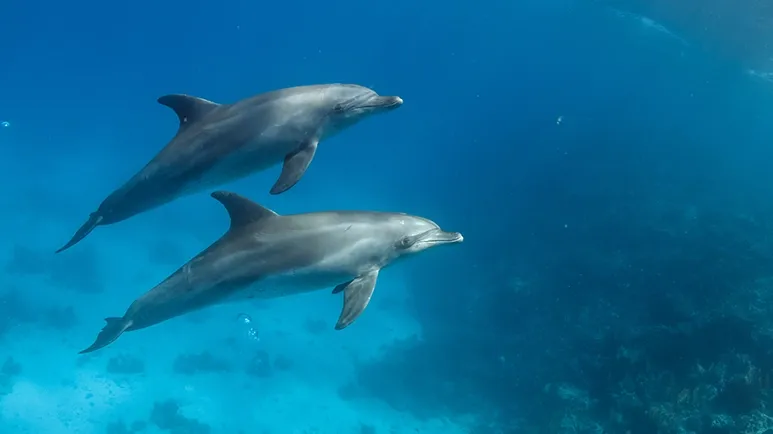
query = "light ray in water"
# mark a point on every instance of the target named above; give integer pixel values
(767, 76)
(649, 24)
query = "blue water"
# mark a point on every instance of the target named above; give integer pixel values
(607, 162)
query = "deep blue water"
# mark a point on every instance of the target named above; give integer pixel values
(607, 162)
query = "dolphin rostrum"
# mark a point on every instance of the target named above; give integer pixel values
(264, 255)
(220, 143)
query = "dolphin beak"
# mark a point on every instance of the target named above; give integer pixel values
(385, 102)
(443, 237)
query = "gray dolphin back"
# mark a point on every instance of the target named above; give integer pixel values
(220, 143)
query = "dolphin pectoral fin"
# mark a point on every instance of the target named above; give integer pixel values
(112, 330)
(93, 221)
(357, 294)
(188, 109)
(294, 167)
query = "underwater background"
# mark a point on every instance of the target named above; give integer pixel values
(608, 162)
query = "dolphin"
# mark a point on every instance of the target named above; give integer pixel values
(264, 255)
(220, 143)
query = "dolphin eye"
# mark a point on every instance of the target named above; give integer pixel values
(339, 108)
(405, 242)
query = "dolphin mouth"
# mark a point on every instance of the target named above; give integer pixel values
(438, 237)
(382, 102)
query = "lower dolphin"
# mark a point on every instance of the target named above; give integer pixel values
(265, 255)
(220, 143)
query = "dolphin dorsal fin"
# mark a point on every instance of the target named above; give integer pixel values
(242, 210)
(189, 109)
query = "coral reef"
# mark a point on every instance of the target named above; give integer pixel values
(700, 377)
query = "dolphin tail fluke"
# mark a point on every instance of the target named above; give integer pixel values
(93, 221)
(110, 332)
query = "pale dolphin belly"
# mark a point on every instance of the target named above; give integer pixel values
(287, 284)
(156, 310)
(253, 158)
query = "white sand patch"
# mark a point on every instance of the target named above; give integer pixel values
(293, 407)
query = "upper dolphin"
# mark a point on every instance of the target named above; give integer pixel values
(265, 255)
(219, 143)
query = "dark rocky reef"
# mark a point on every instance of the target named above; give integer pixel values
(260, 365)
(166, 416)
(709, 374)
(17, 308)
